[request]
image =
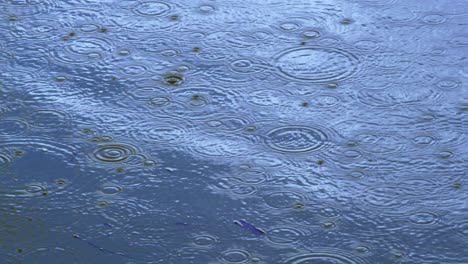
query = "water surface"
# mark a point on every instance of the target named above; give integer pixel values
(143, 131)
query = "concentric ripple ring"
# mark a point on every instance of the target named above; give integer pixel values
(114, 153)
(316, 64)
(295, 139)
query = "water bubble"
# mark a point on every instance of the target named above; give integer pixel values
(207, 8)
(124, 52)
(328, 225)
(399, 255)
(255, 260)
(346, 21)
(149, 163)
(446, 154)
(289, 26)
(204, 240)
(60, 78)
(36, 189)
(352, 143)
(174, 79)
(111, 189)
(214, 123)
(185, 67)
(102, 203)
(169, 52)
(298, 205)
(94, 56)
(362, 249)
(311, 34)
(61, 183)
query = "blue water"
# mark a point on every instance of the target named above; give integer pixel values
(247, 131)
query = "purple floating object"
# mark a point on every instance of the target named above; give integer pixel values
(100, 248)
(252, 229)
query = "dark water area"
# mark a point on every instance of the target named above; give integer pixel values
(247, 131)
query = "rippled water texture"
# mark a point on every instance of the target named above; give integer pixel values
(141, 131)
